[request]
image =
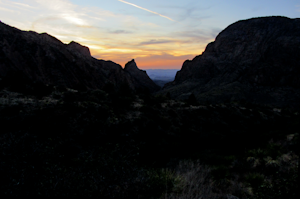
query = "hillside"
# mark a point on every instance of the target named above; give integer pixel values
(119, 145)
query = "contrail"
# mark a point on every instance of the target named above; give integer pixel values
(146, 10)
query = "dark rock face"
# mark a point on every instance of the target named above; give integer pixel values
(140, 77)
(255, 60)
(44, 59)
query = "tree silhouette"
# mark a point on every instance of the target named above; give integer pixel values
(192, 100)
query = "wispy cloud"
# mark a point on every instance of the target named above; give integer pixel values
(15, 5)
(120, 32)
(146, 10)
(7, 10)
(24, 5)
(56, 4)
(155, 41)
(58, 17)
(109, 34)
(198, 35)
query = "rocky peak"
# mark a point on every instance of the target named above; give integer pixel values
(46, 38)
(77, 48)
(131, 66)
(140, 76)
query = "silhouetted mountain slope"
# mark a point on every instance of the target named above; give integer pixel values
(41, 58)
(255, 60)
(140, 76)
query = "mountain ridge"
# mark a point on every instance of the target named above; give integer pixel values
(44, 59)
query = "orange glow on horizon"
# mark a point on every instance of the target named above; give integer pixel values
(159, 64)
(164, 61)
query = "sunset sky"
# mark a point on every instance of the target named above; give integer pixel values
(156, 33)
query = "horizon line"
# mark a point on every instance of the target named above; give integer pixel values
(161, 69)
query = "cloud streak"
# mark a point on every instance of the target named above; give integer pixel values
(146, 9)
(113, 35)
(7, 10)
(154, 41)
(120, 32)
(24, 5)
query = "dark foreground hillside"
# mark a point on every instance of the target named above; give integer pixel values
(121, 145)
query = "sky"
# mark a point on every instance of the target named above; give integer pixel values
(158, 34)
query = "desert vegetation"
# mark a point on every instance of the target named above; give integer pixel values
(119, 144)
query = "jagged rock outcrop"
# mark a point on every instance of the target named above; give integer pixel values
(79, 49)
(140, 76)
(255, 60)
(42, 58)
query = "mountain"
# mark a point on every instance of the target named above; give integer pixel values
(255, 60)
(27, 56)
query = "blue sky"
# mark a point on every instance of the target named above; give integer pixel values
(156, 33)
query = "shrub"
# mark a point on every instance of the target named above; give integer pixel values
(191, 180)
(192, 100)
(254, 179)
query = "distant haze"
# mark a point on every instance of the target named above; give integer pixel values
(161, 76)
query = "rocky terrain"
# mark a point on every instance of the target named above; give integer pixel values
(28, 57)
(255, 60)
